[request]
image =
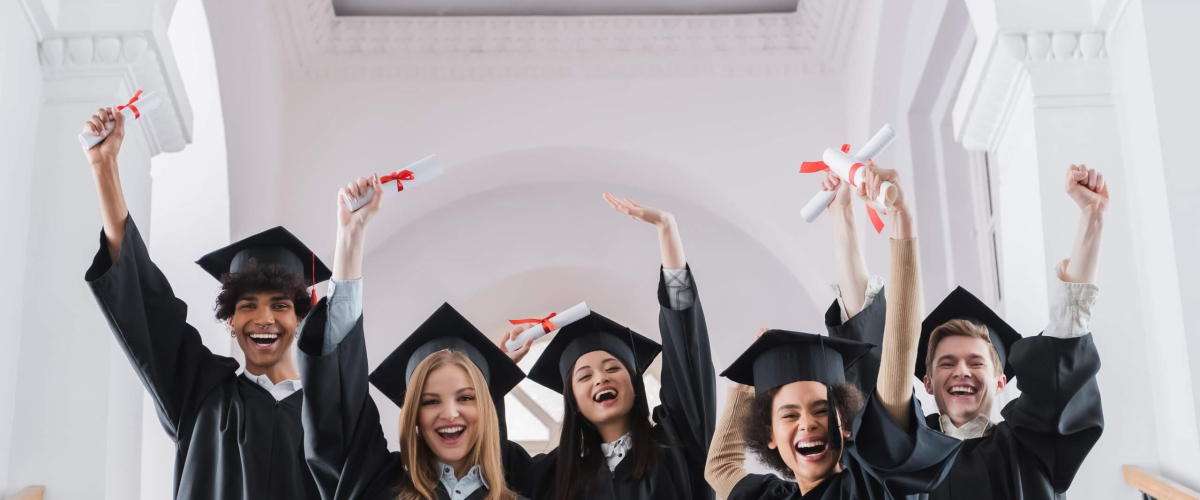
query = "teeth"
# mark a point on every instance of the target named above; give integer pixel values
(450, 430)
(962, 390)
(263, 335)
(601, 393)
(810, 444)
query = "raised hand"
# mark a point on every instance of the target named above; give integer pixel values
(841, 198)
(358, 220)
(510, 334)
(106, 151)
(669, 243)
(868, 189)
(649, 215)
(1087, 187)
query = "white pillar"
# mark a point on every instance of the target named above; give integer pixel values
(1040, 95)
(77, 402)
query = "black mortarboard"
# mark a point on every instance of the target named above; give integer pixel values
(780, 357)
(592, 333)
(274, 246)
(960, 304)
(446, 329)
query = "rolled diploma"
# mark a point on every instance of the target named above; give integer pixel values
(871, 149)
(575, 313)
(841, 163)
(423, 171)
(146, 103)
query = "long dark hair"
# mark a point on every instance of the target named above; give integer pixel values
(579, 456)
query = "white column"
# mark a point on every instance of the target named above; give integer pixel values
(1040, 95)
(77, 402)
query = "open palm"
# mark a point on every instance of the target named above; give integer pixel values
(649, 215)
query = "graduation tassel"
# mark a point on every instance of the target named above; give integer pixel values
(314, 271)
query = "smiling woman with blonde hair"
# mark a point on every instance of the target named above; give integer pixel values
(446, 377)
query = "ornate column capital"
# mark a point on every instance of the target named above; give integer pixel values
(109, 66)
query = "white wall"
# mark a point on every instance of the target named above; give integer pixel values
(1155, 115)
(20, 96)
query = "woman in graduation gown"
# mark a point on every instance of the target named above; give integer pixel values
(608, 447)
(447, 377)
(800, 414)
(236, 436)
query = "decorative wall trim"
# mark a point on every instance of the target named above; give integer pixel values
(325, 46)
(1007, 66)
(72, 64)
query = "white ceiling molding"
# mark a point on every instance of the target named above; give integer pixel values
(327, 47)
(73, 64)
(985, 103)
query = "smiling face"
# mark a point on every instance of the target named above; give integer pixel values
(265, 326)
(800, 431)
(602, 387)
(448, 416)
(963, 377)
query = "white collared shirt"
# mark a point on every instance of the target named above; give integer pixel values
(979, 426)
(615, 451)
(461, 488)
(279, 391)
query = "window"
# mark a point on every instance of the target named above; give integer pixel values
(984, 178)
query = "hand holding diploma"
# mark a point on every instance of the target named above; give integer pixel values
(848, 168)
(874, 181)
(139, 104)
(411, 176)
(516, 341)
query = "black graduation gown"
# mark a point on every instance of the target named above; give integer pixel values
(232, 439)
(685, 421)
(1046, 433)
(897, 464)
(865, 327)
(343, 441)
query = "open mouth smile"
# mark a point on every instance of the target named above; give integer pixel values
(263, 340)
(606, 397)
(450, 435)
(811, 450)
(961, 391)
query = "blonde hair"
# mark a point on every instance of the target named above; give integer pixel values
(961, 328)
(422, 479)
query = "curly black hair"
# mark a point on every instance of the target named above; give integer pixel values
(757, 423)
(257, 278)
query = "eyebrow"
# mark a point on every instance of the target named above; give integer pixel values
(460, 391)
(953, 357)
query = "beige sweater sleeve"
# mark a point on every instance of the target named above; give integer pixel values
(901, 333)
(727, 453)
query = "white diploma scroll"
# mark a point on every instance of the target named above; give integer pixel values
(145, 103)
(575, 313)
(843, 162)
(421, 172)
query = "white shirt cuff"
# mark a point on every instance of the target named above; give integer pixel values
(679, 288)
(1070, 306)
(874, 285)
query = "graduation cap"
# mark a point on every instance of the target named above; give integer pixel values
(592, 333)
(275, 246)
(780, 357)
(445, 329)
(960, 304)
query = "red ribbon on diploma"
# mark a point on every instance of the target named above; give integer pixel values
(136, 114)
(811, 167)
(402, 175)
(547, 326)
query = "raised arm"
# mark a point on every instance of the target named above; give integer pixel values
(148, 321)
(852, 275)
(1090, 192)
(726, 463)
(689, 382)
(902, 326)
(344, 443)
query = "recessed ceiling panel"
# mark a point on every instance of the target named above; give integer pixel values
(558, 7)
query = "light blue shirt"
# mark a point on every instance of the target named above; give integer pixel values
(462, 488)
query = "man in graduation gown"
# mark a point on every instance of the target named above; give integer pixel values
(236, 436)
(1047, 432)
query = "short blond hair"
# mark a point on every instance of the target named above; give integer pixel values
(960, 328)
(422, 478)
